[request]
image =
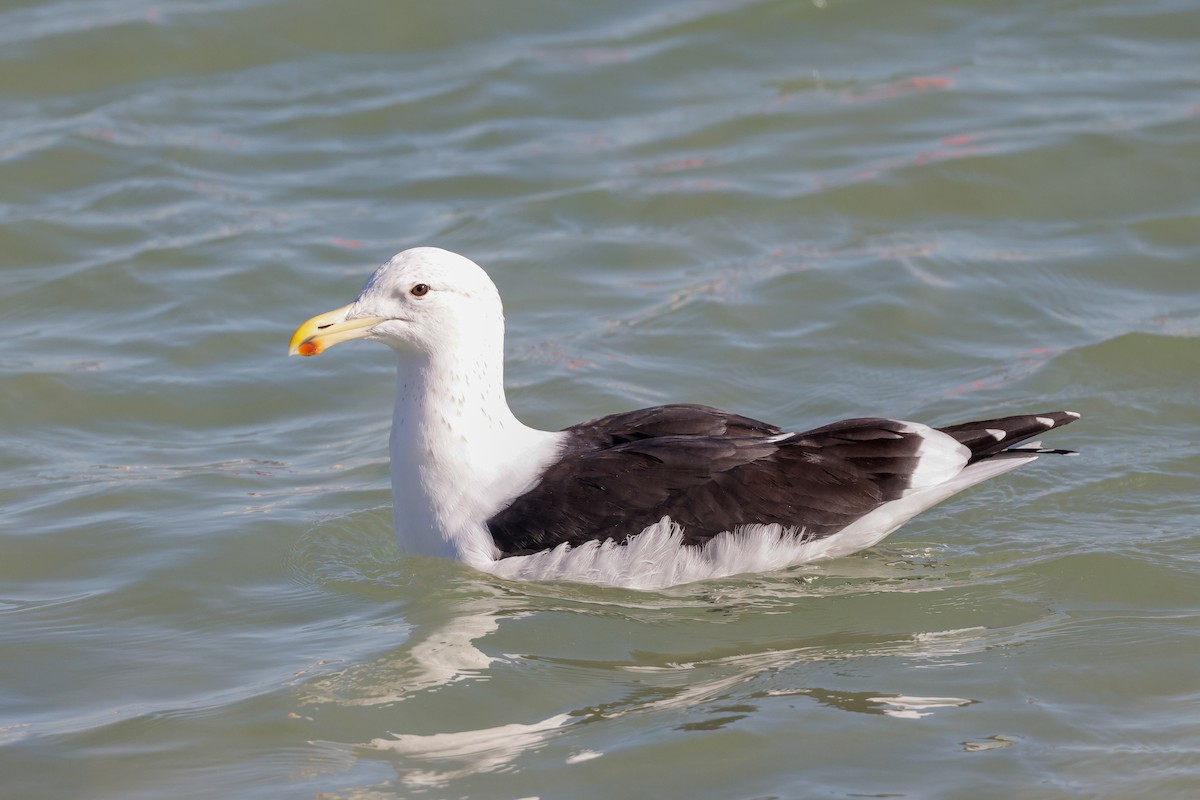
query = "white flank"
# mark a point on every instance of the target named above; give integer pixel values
(657, 557)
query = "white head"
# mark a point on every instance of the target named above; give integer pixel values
(458, 453)
(422, 301)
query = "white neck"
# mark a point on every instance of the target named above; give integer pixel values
(458, 453)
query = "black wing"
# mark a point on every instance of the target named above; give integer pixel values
(711, 471)
(669, 420)
(624, 473)
(990, 437)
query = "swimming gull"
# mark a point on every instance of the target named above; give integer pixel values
(643, 499)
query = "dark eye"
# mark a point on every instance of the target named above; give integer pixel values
(420, 290)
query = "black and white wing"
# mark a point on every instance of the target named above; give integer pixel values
(710, 472)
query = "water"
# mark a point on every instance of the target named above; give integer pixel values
(799, 211)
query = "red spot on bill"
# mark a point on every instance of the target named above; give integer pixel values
(308, 349)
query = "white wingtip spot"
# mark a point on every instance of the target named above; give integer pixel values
(996, 434)
(1073, 414)
(1049, 423)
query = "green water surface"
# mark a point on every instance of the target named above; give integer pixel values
(800, 211)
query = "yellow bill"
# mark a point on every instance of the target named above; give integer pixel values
(326, 330)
